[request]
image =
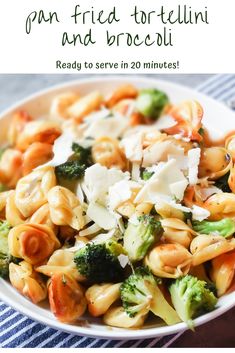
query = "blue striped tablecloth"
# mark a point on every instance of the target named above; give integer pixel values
(19, 331)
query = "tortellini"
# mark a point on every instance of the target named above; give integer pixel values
(188, 116)
(206, 247)
(101, 296)
(61, 261)
(46, 131)
(11, 167)
(42, 216)
(60, 104)
(32, 190)
(19, 120)
(220, 205)
(215, 162)
(37, 153)
(27, 281)
(13, 215)
(169, 260)
(223, 272)
(3, 199)
(65, 208)
(106, 152)
(118, 317)
(176, 231)
(122, 92)
(230, 145)
(66, 298)
(32, 242)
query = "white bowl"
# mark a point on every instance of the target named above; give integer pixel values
(217, 118)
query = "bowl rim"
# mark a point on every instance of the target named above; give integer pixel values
(113, 333)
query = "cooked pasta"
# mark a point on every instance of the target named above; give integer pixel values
(122, 204)
(32, 242)
(27, 281)
(66, 297)
(101, 297)
(65, 209)
(32, 190)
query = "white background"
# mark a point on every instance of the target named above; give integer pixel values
(198, 48)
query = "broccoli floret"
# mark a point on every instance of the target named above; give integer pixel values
(151, 103)
(75, 167)
(146, 175)
(140, 291)
(225, 227)
(191, 298)
(100, 263)
(139, 237)
(5, 257)
(222, 183)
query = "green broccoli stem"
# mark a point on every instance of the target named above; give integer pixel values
(224, 227)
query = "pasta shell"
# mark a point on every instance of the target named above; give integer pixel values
(214, 163)
(117, 317)
(32, 190)
(32, 242)
(61, 261)
(176, 231)
(11, 167)
(169, 260)
(106, 152)
(101, 296)
(45, 131)
(27, 281)
(188, 116)
(66, 298)
(223, 271)
(37, 154)
(65, 208)
(206, 247)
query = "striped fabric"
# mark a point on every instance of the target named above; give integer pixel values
(19, 331)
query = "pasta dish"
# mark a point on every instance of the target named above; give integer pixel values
(118, 206)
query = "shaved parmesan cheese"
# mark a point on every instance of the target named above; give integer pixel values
(101, 114)
(90, 230)
(207, 192)
(199, 213)
(193, 162)
(121, 192)
(79, 193)
(98, 179)
(133, 147)
(164, 122)
(62, 149)
(160, 151)
(103, 237)
(178, 188)
(112, 127)
(166, 202)
(123, 260)
(135, 172)
(101, 216)
(168, 180)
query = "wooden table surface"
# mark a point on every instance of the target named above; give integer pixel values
(221, 331)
